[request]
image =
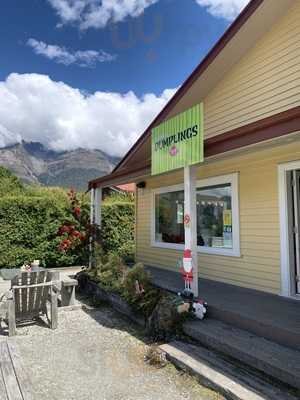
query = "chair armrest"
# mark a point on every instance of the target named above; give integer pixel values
(69, 282)
(5, 300)
(68, 292)
(6, 296)
(16, 287)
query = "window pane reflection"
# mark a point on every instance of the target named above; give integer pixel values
(214, 216)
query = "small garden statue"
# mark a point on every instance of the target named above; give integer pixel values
(187, 269)
(26, 268)
(197, 306)
(35, 265)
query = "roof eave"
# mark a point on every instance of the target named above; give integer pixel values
(210, 57)
(266, 129)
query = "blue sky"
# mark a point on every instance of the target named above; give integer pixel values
(74, 66)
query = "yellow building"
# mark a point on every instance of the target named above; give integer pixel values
(248, 187)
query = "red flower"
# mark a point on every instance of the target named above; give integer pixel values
(65, 244)
(63, 229)
(77, 211)
(62, 247)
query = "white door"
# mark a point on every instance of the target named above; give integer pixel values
(296, 228)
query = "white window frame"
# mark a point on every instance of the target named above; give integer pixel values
(286, 272)
(233, 179)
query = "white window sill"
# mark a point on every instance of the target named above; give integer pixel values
(200, 249)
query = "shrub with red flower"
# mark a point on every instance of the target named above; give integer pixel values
(75, 232)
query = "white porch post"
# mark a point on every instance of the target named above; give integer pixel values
(95, 216)
(92, 213)
(97, 206)
(190, 228)
(92, 219)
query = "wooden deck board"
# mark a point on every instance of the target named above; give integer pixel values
(9, 377)
(3, 395)
(20, 371)
(14, 382)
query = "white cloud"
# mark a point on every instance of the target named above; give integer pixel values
(7, 137)
(83, 58)
(98, 13)
(64, 118)
(227, 9)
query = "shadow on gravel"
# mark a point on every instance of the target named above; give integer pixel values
(109, 320)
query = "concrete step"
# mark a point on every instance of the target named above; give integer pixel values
(274, 317)
(222, 375)
(275, 360)
(264, 325)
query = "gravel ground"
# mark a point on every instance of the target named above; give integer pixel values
(97, 355)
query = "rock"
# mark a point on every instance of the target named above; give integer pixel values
(165, 321)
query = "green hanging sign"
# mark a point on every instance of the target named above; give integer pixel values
(178, 142)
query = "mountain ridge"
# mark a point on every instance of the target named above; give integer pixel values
(34, 163)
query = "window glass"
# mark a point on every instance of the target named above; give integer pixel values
(169, 214)
(214, 216)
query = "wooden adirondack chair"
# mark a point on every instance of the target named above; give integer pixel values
(29, 294)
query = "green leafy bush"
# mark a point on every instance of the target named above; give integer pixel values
(114, 276)
(9, 183)
(109, 273)
(145, 302)
(117, 230)
(30, 217)
(160, 309)
(28, 231)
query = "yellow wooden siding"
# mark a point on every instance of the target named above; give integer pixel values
(259, 264)
(264, 82)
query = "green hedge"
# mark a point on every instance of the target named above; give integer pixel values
(31, 215)
(118, 221)
(28, 231)
(9, 183)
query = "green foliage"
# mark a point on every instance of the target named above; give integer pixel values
(117, 230)
(9, 183)
(146, 302)
(124, 197)
(28, 231)
(57, 194)
(109, 273)
(112, 275)
(30, 217)
(134, 285)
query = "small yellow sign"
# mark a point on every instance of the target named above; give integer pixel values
(227, 218)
